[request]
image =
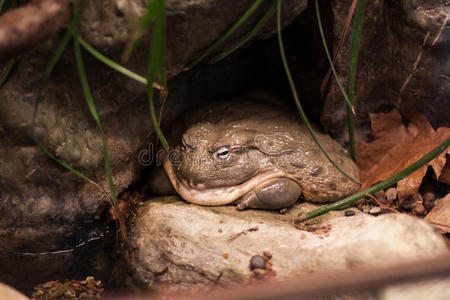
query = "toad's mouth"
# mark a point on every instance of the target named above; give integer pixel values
(218, 196)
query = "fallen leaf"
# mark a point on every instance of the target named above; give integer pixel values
(395, 147)
(439, 216)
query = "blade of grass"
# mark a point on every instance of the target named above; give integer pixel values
(384, 184)
(63, 42)
(221, 39)
(352, 65)
(139, 31)
(348, 21)
(4, 77)
(322, 35)
(247, 36)
(297, 101)
(156, 64)
(93, 110)
(119, 68)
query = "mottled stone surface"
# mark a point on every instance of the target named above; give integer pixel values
(182, 244)
(395, 36)
(48, 215)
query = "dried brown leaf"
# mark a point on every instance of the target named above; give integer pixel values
(395, 147)
(439, 216)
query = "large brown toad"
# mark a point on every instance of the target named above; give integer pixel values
(255, 154)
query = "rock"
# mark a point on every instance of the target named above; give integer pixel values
(402, 33)
(375, 210)
(47, 212)
(8, 293)
(391, 194)
(183, 239)
(349, 213)
(192, 26)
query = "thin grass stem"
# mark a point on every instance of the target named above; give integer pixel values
(297, 101)
(221, 39)
(352, 65)
(112, 64)
(322, 35)
(4, 77)
(247, 36)
(156, 64)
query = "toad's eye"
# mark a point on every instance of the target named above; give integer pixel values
(223, 153)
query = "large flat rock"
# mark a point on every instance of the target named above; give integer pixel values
(184, 244)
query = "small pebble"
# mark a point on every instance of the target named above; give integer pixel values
(419, 210)
(391, 194)
(259, 273)
(428, 205)
(349, 213)
(257, 262)
(374, 210)
(267, 254)
(428, 196)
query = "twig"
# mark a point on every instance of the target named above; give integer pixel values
(348, 21)
(436, 39)
(381, 204)
(413, 71)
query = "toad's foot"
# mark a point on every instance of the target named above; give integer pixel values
(273, 194)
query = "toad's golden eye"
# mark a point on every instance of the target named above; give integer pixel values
(223, 153)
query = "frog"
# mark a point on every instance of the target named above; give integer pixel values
(254, 154)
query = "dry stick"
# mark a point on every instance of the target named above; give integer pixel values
(348, 21)
(24, 27)
(436, 39)
(413, 71)
(381, 204)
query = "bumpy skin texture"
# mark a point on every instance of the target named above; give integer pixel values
(223, 152)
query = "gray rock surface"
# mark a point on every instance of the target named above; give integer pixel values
(183, 244)
(395, 35)
(47, 212)
(192, 26)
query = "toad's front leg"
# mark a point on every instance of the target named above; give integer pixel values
(274, 194)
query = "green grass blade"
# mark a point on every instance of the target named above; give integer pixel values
(382, 185)
(352, 65)
(112, 64)
(63, 43)
(322, 35)
(220, 40)
(294, 93)
(246, 37)
(156, 64)
(139, 31)
(93, 110)
(56, 56)
(7, 71)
